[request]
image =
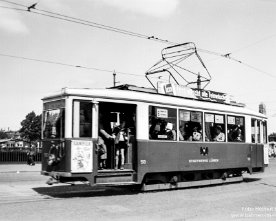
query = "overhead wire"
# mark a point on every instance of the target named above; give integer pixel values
(13, 3)
(12, 8)
(66, 64)
(239, 61)
(254, 43)
(259, 70)
(125, 32)
(85, 22)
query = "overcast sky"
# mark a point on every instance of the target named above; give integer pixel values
(244, 28)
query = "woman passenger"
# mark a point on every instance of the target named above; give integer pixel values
(219, 135)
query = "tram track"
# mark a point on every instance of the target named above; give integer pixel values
(14, 193)
(7, 200)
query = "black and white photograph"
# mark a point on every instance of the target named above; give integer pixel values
(137, 110)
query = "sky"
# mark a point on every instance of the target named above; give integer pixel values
(244, 28)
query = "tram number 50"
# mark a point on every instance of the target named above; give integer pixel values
(143, 162)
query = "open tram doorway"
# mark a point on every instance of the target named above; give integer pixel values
(117, 131)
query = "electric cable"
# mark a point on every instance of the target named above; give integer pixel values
(84, 22)
(66, 64)
(59, 16)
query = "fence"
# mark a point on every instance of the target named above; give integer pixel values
(12, 156)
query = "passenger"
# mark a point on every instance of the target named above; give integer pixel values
(121, 134)
(154, 131)
(181, 132)
(196, 136)
(235, 134)
(239, 137)
(102, 153)
(206, 138)
(104, 136)
(171, 134)
(219, 135)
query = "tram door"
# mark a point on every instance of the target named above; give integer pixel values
(113, 118)
(256, 148)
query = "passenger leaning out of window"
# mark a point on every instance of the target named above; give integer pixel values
(121, 136)
(219, 135)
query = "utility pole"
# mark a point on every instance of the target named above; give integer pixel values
(114, 79)
(198, 81)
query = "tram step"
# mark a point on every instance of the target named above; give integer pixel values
(114, 176)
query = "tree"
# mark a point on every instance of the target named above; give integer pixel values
(3, 135)
(31, 127)
(272, 137)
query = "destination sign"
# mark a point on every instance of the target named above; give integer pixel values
(184, 91)
(211, 95)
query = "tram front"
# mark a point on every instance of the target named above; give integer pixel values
(67, 142)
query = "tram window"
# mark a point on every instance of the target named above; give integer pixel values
(235, 129)
(162, 123)
(253, 140)
(265, 131)
(214, 127)
(258, 132)
(82, 119)
(53, 123)
(255, 131)
(190, 125)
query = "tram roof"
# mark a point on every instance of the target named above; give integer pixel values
(149, 96)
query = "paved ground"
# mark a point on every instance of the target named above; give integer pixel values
(18, 168)
(25, 196)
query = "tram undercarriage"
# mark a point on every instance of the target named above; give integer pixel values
(157, 181)
(190, 179)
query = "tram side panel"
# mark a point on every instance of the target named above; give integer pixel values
(163, 157)
(257, 157)
(69, 160)
(53, 156)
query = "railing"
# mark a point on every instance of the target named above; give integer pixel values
(13, 156)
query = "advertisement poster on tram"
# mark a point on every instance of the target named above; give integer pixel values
(81, 156)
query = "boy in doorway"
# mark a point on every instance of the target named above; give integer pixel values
(121, 135)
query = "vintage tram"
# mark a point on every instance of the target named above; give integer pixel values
(173, 140)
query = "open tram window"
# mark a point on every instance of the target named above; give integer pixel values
(190, 125)
(214, 127)
(235, 129)
(82, 120)
(162, 123)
